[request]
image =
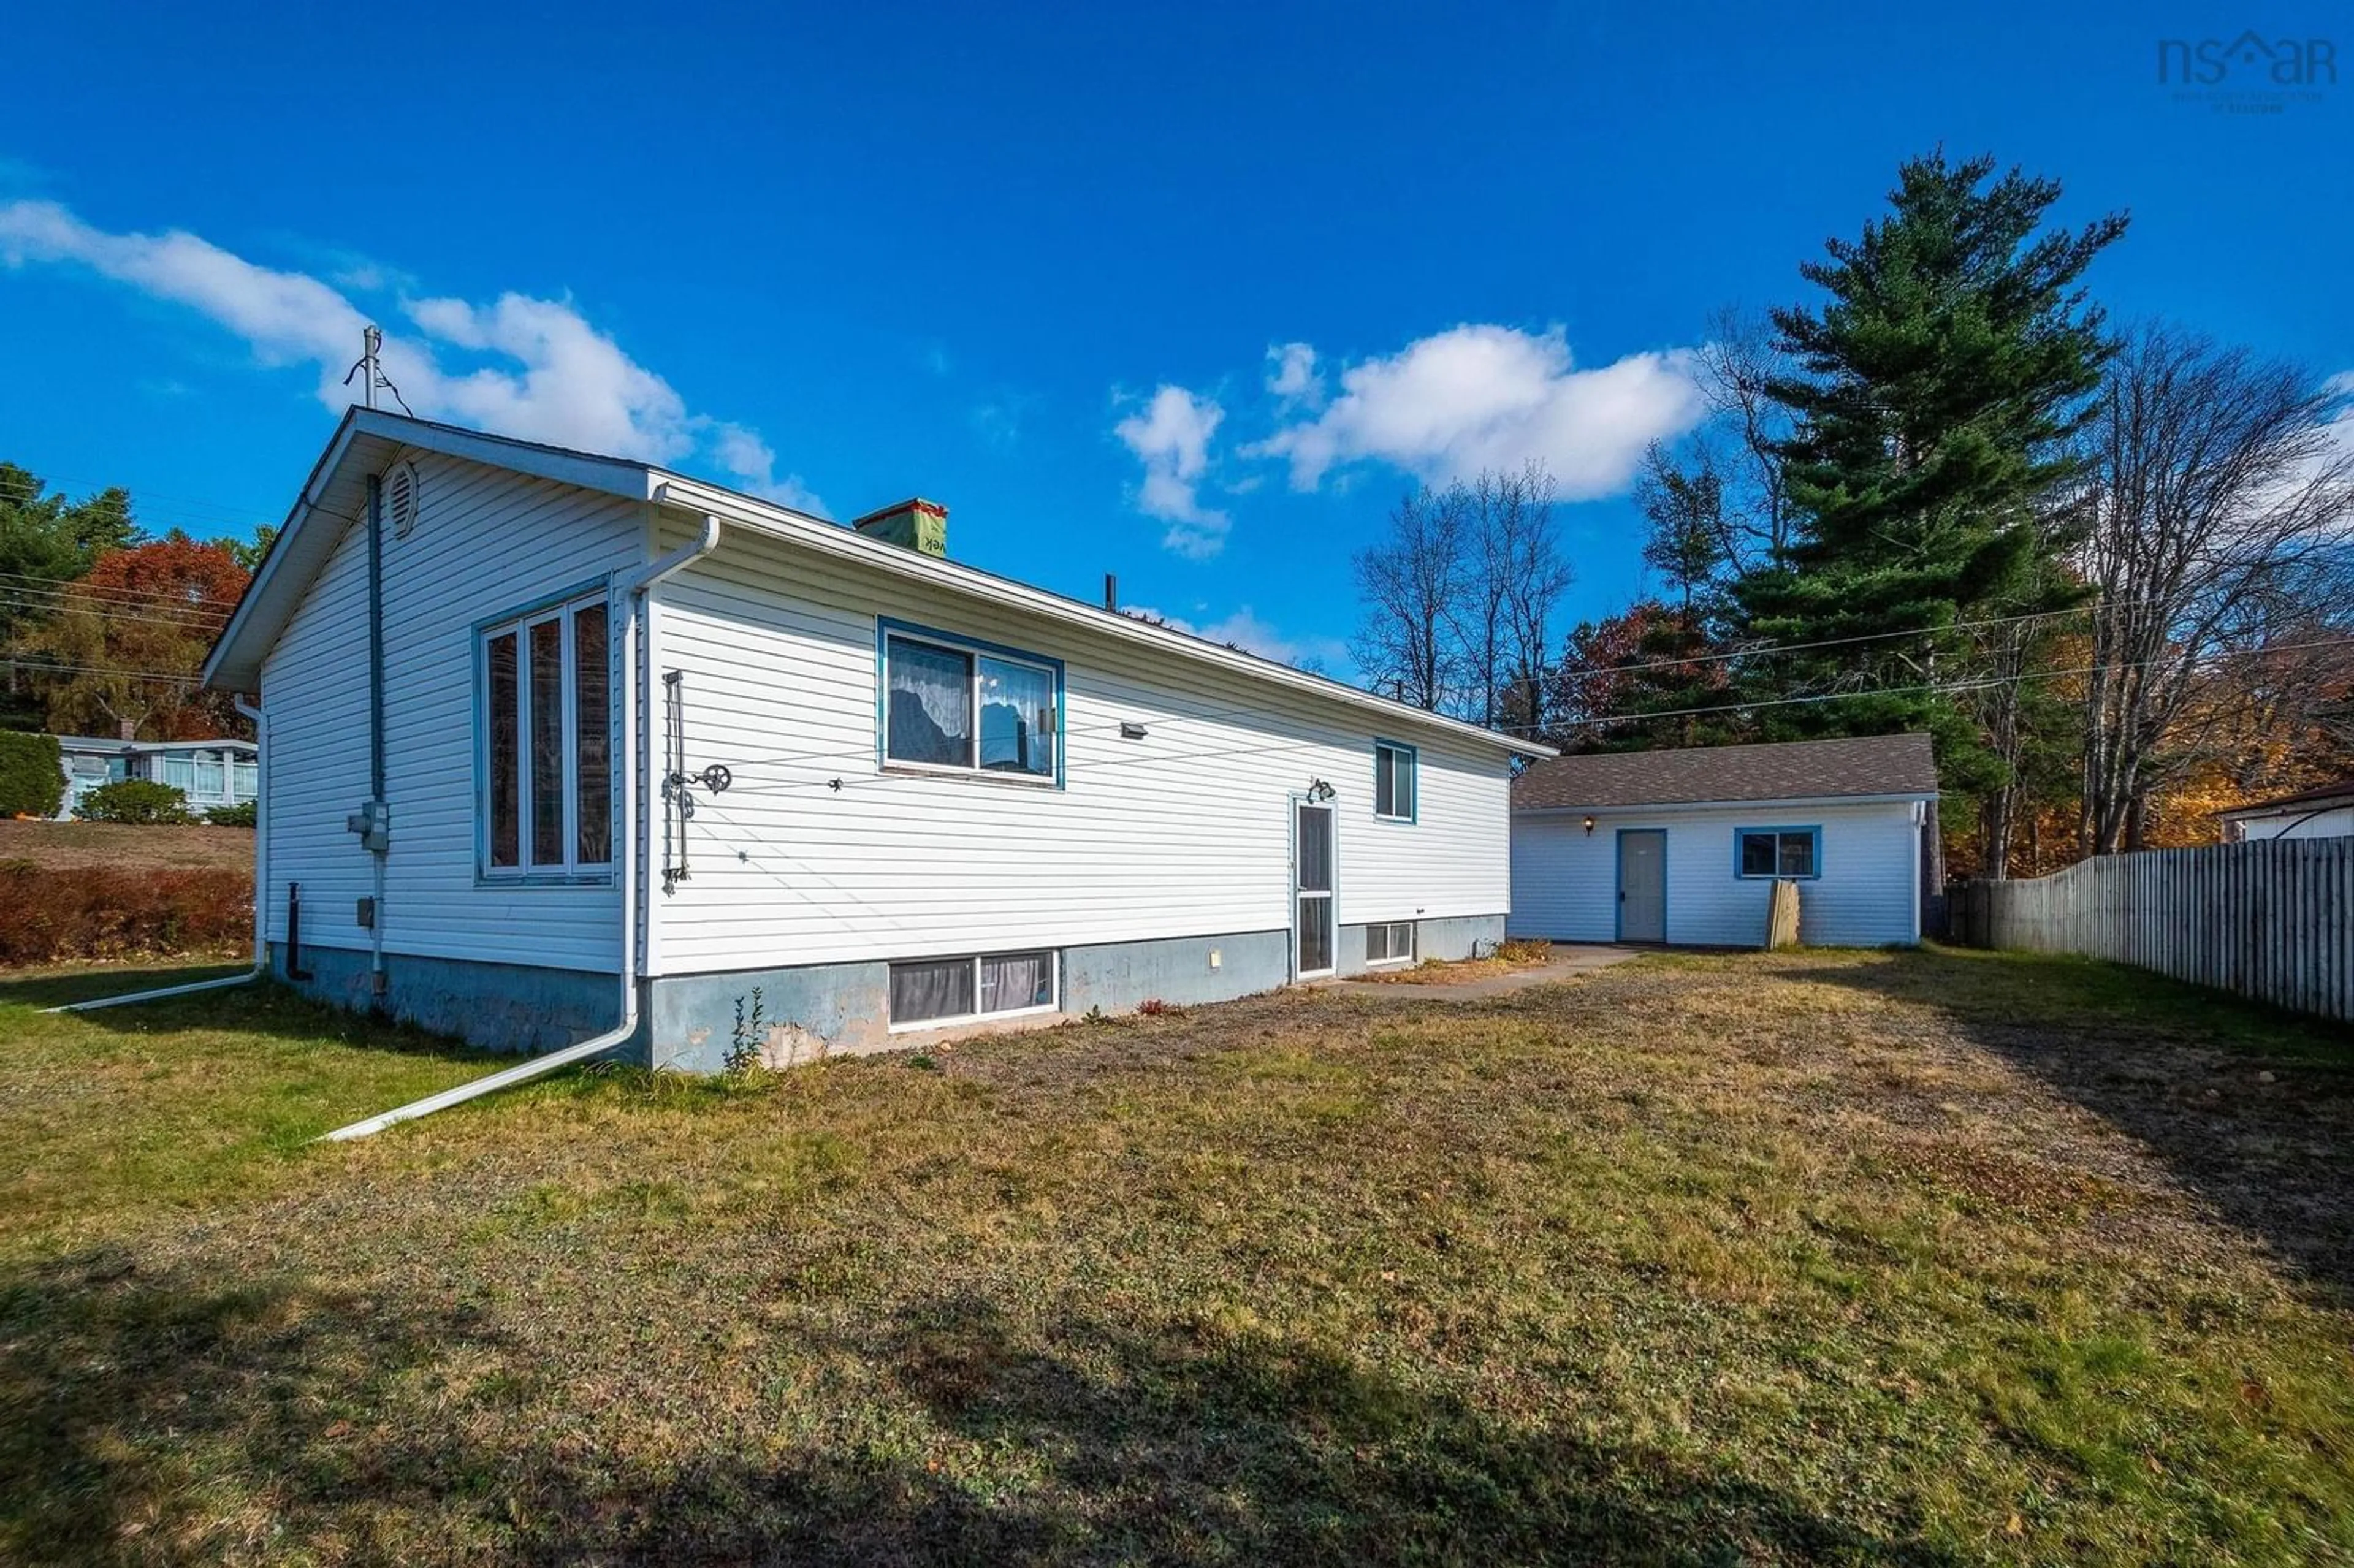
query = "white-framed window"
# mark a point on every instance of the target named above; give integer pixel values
(1778, 852)
(212, 776)
(1395, 765)
(245, 780)
(180, 773)
(929, 992)
(546, 804)
(958, 705)
(1391, 942)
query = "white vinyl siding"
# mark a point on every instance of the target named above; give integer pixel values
(1564, 881)
(486, 540)
(1185, 831)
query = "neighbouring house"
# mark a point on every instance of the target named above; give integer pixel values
(1685, 846)
(556, 743)
(211, 773)
(2327, 812)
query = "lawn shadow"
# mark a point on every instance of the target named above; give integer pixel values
(170, 1418)
(2251, 1110)
(268, 1006)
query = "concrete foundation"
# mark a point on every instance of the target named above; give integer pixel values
(690, 1022)
(499, 1007)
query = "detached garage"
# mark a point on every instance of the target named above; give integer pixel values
(1684, 847)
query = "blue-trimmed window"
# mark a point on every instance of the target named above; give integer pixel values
(547, 801)
(961, 705)
(1396, 784)
(1778, 854)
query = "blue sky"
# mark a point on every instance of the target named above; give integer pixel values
(1055, 268)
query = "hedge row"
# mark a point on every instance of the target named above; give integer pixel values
(49, 916)
(32, 779)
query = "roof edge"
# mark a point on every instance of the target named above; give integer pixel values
(698, 497)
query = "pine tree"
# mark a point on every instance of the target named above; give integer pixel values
(1938, 386)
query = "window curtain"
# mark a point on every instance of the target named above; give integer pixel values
(932, 704)
(1017, 718)
(941, 987)
(1012, 980)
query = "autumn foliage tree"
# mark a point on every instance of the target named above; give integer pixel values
(123, 647)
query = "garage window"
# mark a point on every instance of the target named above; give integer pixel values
(1778, 854)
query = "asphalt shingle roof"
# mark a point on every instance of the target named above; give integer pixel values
(1784, 770)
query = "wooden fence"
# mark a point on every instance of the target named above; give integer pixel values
(2271, 919)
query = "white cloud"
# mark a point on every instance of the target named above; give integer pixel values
(743, 453)
(1171, 438)
(1246, 629)
(1294, 377)
(551, 375)
(1480, 397)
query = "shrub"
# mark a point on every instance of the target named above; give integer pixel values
(248, 815)
(139, 803)
(32, 775)
(108, 912)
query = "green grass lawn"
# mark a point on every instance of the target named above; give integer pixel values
(1929, 1258)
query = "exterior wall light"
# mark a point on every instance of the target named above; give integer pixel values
(1318, 790)
(1589, 827)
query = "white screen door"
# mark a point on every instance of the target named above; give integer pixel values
(1312, 887)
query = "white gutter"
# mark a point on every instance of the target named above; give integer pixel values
(260, 896)
(633, 589)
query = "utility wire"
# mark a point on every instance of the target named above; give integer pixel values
(1986, 683)
(39, 599)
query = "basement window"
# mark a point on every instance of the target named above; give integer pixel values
(1778, 852)
(545, 801)
(1394, 767)
(1391, 942)
(930, 992)
(954, 704)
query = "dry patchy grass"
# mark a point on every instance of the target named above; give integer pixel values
(1844, 1257)
(1510, 958)
(78, 846)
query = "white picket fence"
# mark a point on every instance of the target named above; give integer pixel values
(2271, 919)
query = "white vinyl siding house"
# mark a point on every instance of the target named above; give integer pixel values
(1592, 861)
(486, 544)
(211, 774)
(892, 793)
(1184, 830)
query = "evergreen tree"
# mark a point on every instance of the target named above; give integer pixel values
(1938, 388)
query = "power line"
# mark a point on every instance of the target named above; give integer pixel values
(85, 588)
(1986, 683)
(35, 666)
(114, 615)
(206, 622)
(1761, 649)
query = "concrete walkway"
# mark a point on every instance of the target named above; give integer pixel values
(1569, 961)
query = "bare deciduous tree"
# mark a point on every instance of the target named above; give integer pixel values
(1460, 598)
(1740, 445)
(2219, 499)
(1414, 584)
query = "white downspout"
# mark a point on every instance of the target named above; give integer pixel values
(261, 887)
(632, 591)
